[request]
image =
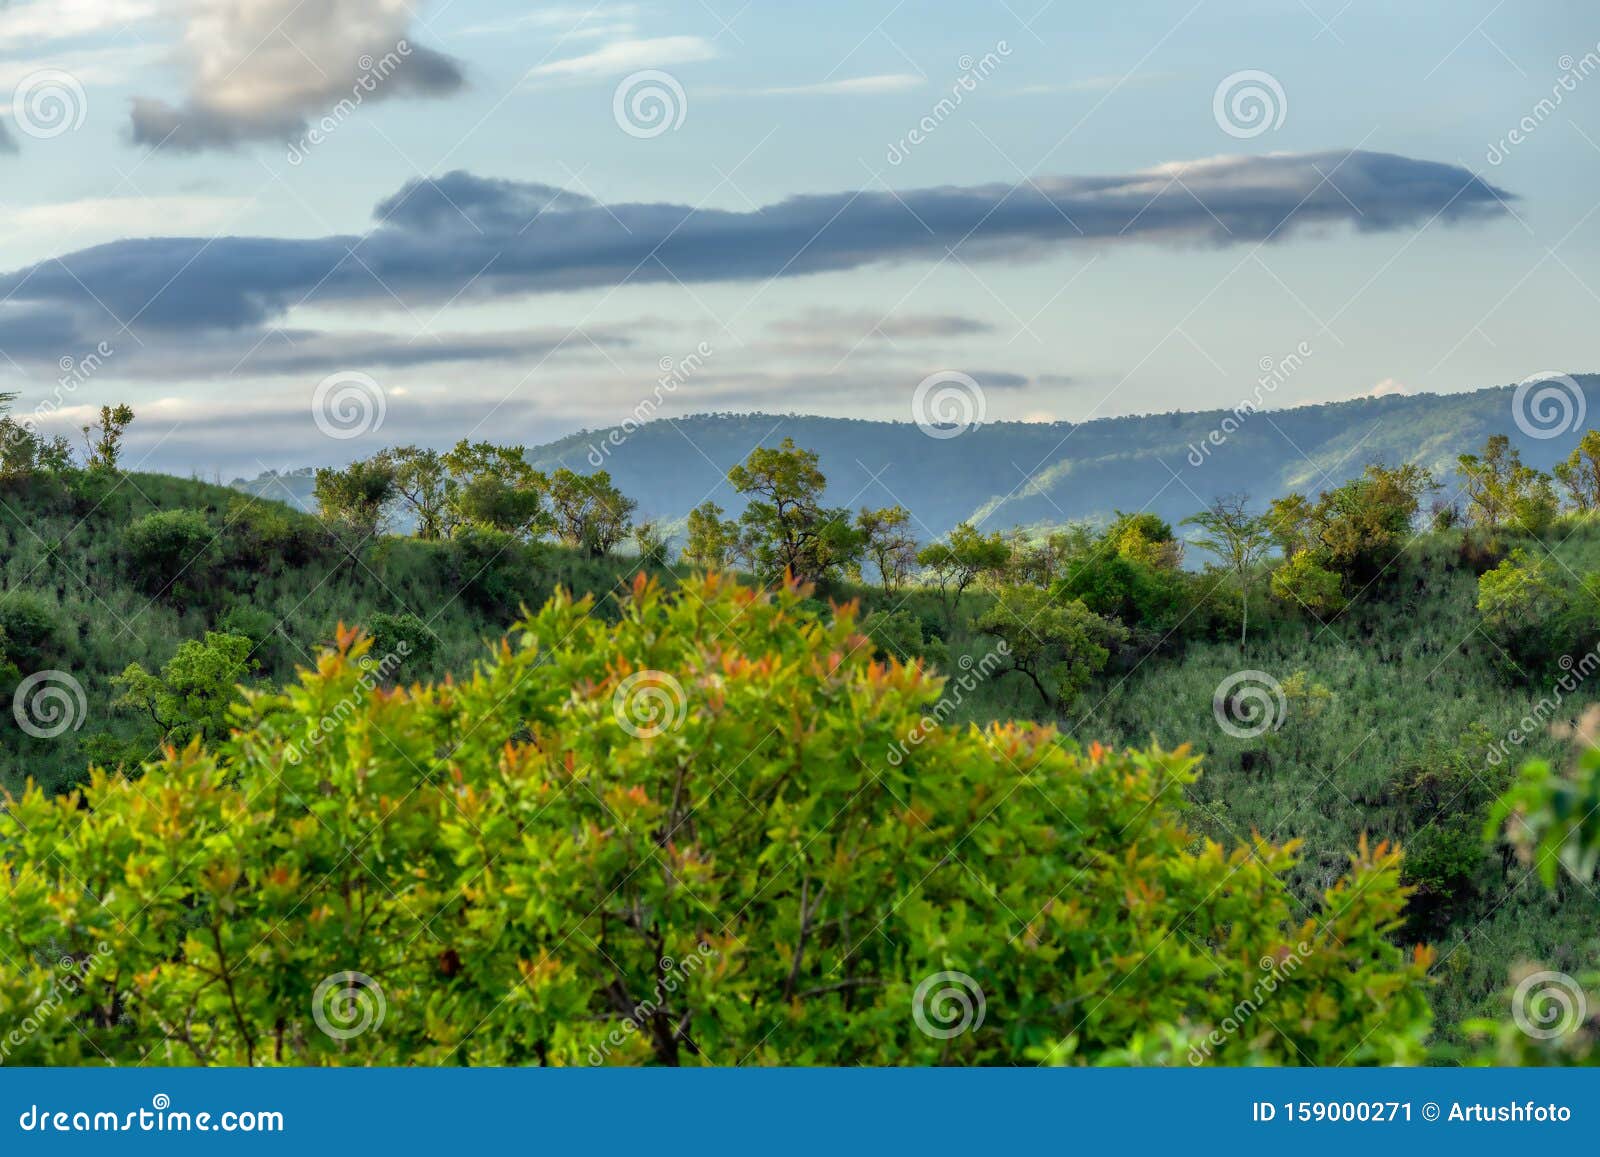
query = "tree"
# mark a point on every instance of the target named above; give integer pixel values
(1580, 473)
(1058, 646)
(1502, 491)
(1306, 583)
(422, 481)
(887, 543)
(1239, 539)
(354, 501)
(103, 439)
(192, 696)
(956, 563)
(651, 544)
(785, 529)
(589, 512)
(564, 878)
(494, 488)
(712, 539)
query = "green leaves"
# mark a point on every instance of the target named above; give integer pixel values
(677, 837)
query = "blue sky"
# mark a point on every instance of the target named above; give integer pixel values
(541, 252)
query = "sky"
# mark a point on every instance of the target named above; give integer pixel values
(288, 233)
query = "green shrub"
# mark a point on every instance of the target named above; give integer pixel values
(30, 628)
(678, 838)
(171, 551)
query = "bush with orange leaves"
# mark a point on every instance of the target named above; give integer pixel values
(673, 836)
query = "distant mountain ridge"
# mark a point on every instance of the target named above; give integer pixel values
(1030, 474)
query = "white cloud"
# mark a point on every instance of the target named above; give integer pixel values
(261, 67)
(31, 232)
(1389, 387)
(854, 86)
(624, 56)
(32, 23)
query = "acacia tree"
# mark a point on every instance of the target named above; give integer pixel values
(1056, 645)
(887, 542)
(785, 528)
(354, 502)
(712, 539)
(1239, 539)
(588, 511)
(494, 488)
(422, 481)
(1579, 473)
(1502, 490)
(103, 438)
(956, 563)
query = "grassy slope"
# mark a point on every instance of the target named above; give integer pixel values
(1405, 670)
(64, 545)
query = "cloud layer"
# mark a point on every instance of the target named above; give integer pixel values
(462, 238)
(262, 68)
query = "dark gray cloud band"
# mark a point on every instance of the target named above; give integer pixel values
(461, 238)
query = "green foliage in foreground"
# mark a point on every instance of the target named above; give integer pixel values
(679, 837)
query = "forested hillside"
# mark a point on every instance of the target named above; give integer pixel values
(1011, 473)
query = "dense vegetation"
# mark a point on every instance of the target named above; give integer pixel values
(719, 820)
